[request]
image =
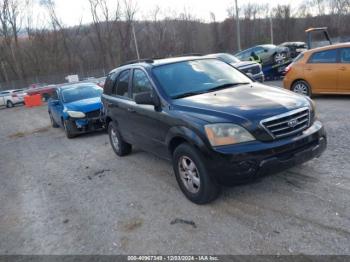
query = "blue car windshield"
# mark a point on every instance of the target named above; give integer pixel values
(81, 92)
(197, 76)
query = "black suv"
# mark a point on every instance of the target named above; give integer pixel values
(215, 124)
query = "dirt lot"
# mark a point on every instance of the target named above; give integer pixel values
(60, 196)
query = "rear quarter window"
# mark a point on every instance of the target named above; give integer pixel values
(298, 58)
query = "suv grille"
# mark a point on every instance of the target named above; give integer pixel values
(287, 124)
(93, 114)
(252, 70)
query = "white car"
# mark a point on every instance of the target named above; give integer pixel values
(10, 98)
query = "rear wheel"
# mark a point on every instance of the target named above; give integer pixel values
(53, 122)
(192, 175)
(120, 147)
(301, 87)
(9, 104)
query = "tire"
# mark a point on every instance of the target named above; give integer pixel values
(68, 129)
(189, 168)
(301, 87)
(53, 122)
(279, 58)
(120, 147)
(9, 104)
(45, 97)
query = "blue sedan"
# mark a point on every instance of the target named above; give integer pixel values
(76, 108)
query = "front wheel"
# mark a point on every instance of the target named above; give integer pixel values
(68, 129)
(301, 87)
(192, 175)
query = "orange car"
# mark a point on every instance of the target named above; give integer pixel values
(324, 70)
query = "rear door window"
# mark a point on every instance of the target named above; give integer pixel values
(121, 87)
(299, 57)
(140, 83)
(328, 56)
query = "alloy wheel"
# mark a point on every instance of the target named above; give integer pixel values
(280, 57)
(65, 126)
(301, 88)
(189, 174)
(51, 119)
(115, 139)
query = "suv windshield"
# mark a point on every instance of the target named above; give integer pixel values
(76, 93)
(198, 76)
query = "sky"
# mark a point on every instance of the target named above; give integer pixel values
(72, 11)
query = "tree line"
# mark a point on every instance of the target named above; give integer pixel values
(27, 51)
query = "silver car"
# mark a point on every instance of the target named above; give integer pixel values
(268, 54)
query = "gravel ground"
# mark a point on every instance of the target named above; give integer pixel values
(60, 196)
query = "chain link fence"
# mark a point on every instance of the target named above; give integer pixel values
(50, 79)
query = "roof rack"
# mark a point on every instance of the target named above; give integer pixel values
(147, 60)
(192, 54)
(174, 56)
(151, 60)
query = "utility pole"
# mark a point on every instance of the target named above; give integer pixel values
(271, 28)
(4, 71)
(238, 28)
(135, 40)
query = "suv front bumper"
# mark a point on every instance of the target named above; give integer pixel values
(235, 163)
(260, 77)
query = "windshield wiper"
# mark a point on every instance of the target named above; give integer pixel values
(223, 86)
(188, 94)
(227, 85)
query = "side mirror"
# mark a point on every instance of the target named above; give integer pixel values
(250, 75)
(266, 50)
(54, 102)
(147, 98)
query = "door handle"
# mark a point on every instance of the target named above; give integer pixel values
(131, 110)
(342, 68)
(308, 69)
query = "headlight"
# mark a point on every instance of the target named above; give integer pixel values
(227, 134)
(76, 114)
(312, 108)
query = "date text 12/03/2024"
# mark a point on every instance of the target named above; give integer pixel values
(173, 258)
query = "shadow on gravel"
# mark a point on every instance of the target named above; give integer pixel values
(89, 135)
(23, 134)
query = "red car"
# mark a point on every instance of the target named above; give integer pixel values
(44, 90)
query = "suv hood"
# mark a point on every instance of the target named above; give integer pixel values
(85, 105)
(246, 105)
